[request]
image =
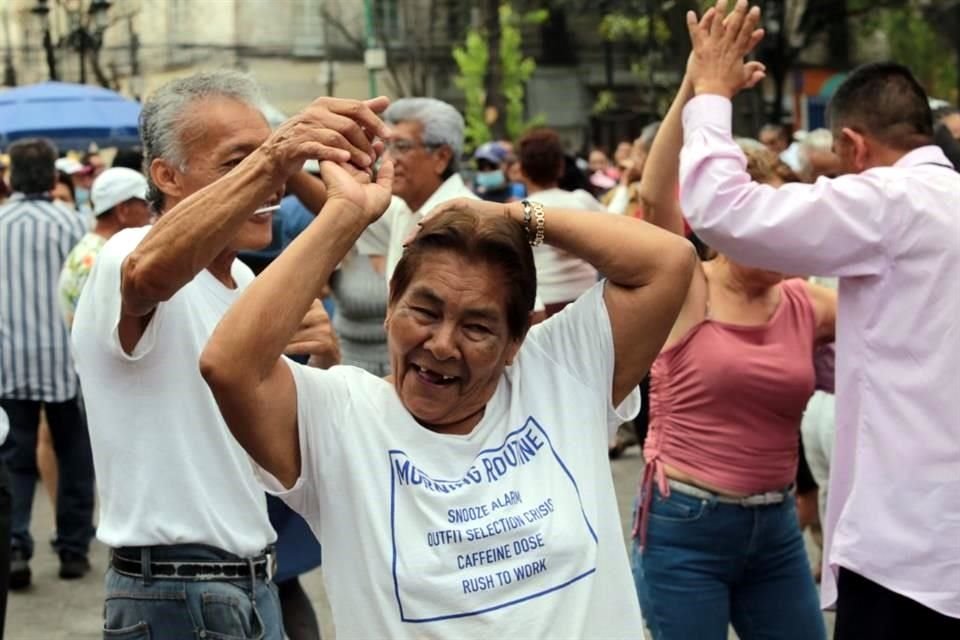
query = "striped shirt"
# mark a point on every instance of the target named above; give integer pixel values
(35, 361)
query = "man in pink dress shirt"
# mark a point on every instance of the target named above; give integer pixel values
(890, 230)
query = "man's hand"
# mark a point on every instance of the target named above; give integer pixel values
(355, 187)
(331, 129)
(719, 45)
(316, 338)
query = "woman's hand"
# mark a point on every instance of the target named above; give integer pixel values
(352, 186)
(482, 207)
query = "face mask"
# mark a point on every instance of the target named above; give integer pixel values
(82, 196)
(490, 179)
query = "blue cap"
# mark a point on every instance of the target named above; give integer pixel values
(492, 152)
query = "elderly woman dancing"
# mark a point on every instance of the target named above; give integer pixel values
(468, 495)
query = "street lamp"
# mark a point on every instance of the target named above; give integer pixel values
(85, 31)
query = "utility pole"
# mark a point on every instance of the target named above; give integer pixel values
(327, 47)
(9, 73)
(371, 46)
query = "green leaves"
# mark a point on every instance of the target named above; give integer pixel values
(472, 61)
(620, 27)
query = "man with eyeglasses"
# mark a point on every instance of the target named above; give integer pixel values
(426, 146)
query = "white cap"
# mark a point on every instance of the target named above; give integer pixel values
(68, 165)
(116, 185)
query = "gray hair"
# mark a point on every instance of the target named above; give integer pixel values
(162, 117)
(442, 124)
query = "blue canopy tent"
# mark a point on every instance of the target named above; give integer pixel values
(72, 115)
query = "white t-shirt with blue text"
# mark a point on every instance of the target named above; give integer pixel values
(510, 531)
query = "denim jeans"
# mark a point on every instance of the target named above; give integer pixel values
(71, 442)
(158, 609)
(707, 564)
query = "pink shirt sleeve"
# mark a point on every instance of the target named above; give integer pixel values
(834, 227)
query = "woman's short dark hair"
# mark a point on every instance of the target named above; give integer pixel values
(494, 240)
(540, 152)
(32, 167)
(885, 101)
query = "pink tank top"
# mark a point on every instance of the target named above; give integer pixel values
(726, 401)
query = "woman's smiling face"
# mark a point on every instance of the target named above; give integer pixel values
(449, 340)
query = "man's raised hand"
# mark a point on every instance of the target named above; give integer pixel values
(720, 44)
(332, 129)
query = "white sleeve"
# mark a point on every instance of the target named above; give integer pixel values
(97, 319)
(579, 339)
(322, 399)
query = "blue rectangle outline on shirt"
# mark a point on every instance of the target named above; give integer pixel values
(393, 531)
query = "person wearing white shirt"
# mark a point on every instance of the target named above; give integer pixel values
(425, 148)
(468, 495)
(179, 505)
(561, 277)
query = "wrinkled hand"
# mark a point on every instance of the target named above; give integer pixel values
(331, 129)
(719, 45)
(353, 186)
(316, 338)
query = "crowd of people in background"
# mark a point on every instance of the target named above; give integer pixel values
(249, 341)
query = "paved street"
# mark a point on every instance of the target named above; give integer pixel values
(54, 609)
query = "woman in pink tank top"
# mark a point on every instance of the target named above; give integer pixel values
(716, 533)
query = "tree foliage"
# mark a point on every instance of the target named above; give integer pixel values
(473, 60)
(913, 40)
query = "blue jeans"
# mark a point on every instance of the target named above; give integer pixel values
(242, 609)
(707, 564)
(71, 443)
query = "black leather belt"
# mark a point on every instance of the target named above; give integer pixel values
(129, 563)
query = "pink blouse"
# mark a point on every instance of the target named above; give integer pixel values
(726, 401)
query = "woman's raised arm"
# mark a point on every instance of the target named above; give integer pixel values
(241, 363)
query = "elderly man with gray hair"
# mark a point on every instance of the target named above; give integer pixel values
(179, 505)
(425, 147)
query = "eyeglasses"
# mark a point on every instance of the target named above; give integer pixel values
(400, 146)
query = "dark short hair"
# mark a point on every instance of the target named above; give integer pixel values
(32, 168)
(129, 157)
(884, 100)
(540, 152)
(494, 240)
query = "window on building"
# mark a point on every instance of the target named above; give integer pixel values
(309, 35)
(389, 20)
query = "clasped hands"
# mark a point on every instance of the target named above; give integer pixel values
(346, 136)
(720, 43)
